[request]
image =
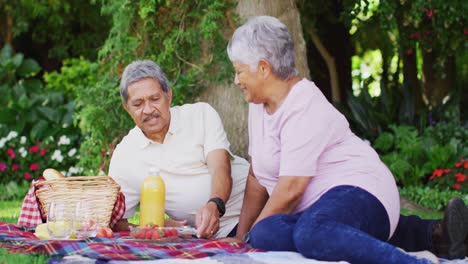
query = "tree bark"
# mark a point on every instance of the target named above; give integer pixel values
(226, 98)
(437, 83)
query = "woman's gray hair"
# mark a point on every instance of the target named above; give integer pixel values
(139, 70)
(264, 37)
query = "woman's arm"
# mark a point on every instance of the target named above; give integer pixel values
(255, 198)
(285, 197)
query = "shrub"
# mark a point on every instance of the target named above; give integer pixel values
(22, 159)
(431, 198)
(453, 177)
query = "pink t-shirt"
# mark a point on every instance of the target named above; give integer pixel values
(307, 136)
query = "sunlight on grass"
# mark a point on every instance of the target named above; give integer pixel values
(10, 211)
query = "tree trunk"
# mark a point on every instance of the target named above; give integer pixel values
(437, 83)
(226, 98)
(335, 37)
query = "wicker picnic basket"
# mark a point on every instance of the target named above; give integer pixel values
(102, 191)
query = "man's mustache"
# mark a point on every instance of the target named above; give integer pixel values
(148, 117)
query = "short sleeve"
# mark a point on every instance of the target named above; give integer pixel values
(214, 136)
(116, 171)
(306, 131)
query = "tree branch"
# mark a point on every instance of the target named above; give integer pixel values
(330, 61)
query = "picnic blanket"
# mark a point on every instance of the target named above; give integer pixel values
(21, 240)
(120, 250)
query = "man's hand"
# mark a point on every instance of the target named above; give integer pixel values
(207, 221)
(122, 225)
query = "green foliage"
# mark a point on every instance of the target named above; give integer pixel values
(33, 122)
(405, 154)
(26, 106)
(14, 191)
(63, 28)
(369, 116)
(412, 156)
(433, 25)
(98, 110)
(184, 38)
(431, 198)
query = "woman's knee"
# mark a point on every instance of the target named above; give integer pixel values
(273, 233)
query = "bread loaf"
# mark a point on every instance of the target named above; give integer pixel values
(52, 174)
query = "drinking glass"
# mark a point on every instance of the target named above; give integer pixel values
(59, 220)
(86, 224)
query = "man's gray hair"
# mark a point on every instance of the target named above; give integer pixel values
(138, 70)
(264, 37)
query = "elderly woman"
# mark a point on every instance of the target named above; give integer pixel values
(313, 187)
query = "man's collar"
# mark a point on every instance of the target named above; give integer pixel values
(174, 127)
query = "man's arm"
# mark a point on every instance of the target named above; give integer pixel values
(255, 198)
(219, 166)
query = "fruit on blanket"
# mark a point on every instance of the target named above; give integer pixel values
(105, 232)
(52, 174)
(153, 232)
(41, 231)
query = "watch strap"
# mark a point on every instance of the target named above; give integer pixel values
(219, 204)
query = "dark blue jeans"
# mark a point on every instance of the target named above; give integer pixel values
(346, 223)
(413, 233)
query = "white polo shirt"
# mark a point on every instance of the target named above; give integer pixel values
(194, 131)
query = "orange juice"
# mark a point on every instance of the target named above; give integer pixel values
(152, 199)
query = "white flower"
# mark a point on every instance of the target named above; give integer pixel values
(12, 135)
(367, 142)
(23, 152)
(64, 140)
(2, 142)
(23, 140)
(73, 170)
(57, 156)
(72, 152)
(101, 173)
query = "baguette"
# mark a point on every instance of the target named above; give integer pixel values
(52, 174)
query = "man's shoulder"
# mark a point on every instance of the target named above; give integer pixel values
(130, 139)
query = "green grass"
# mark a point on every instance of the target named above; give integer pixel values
(423, 215)
(10, 211)
(9, 258)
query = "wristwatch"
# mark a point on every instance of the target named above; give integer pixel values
(219, 204)
(246, 237)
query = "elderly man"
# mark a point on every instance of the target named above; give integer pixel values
(204, 180)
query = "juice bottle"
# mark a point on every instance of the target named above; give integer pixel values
(152, 199)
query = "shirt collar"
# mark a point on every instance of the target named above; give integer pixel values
(174, 127)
